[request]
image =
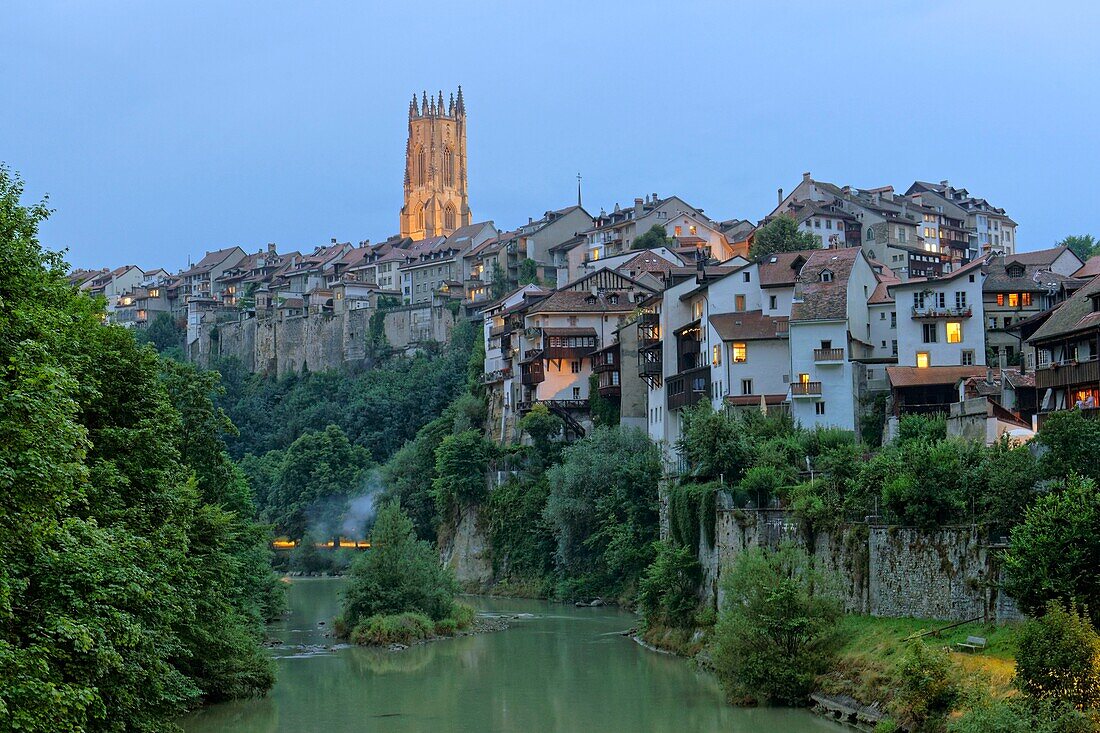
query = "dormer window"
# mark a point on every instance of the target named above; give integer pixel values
(1015, 270)
(826, 276)
(613, 299)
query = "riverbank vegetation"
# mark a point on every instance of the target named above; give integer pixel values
(134, 579)
(1043, 498)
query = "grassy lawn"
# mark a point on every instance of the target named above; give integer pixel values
(872, 647)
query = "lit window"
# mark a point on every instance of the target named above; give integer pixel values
(691, 229)
(1025, 299)
(677, 231)
(697, 310)
(803, 378)
(716, 355)
(954, 333)
(740, 353)
(922, 360)
(739, 302)
(1013, 300)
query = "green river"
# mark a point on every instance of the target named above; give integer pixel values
(558, 668)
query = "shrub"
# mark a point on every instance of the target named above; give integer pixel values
(1023, 716)
(401, 628)
(462, 614)
(761, 483)
(922, 427)
(713, 443)
(1058, 658)
(445, 627)
(778, 629)
(927, 689)
(398, 574)
(667, 593)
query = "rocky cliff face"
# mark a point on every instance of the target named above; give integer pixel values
(465, 549)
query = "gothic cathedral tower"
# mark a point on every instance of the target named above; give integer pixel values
(436, 202)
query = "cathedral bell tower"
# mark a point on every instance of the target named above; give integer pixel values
(436, 202)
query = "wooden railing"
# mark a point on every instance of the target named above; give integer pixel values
(805, 389)
(828, 354)
(1069, 373)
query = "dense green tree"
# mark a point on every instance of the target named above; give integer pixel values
(713, 444)
(110, 550)
(543, 427)
(461, 469)
(1055, 551)
(668, 591)
(781, 234)
(656, 236)
(1072, 442)
(527, 273)
(777, 629)
(520, 538)
(499, 286)
(604, 411)
(400, 573)
(603, 510)
(320, 472)
(1082, 245)
(164, 333)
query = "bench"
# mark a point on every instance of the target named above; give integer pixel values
(972, 644)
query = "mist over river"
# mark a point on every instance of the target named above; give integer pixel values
(558, 669)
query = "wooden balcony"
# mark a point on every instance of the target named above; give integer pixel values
(532, 373)
(1068, 374)
(688, 387)
(830, 356)
(606, 359)
(802, 390)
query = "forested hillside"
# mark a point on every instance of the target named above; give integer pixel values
(134, 582)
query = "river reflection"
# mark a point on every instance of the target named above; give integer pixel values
(562, 669)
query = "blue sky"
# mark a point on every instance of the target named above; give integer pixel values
(161, 130)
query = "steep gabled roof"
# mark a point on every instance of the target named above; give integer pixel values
(1076, 314)
(818, 299)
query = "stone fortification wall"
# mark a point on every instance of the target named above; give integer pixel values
(317, 341)
(949, 573)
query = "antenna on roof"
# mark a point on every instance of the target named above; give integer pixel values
(578, 188)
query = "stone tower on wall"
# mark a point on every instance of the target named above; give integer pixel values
(436, 201)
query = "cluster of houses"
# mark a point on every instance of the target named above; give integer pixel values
(911, 303)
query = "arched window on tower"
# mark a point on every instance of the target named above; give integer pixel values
(448, 166)
(449, 218)
(421, 167)
(421, 217)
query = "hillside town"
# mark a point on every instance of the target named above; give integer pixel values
(898, 301)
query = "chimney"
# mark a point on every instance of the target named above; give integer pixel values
(779, 196)
(638, 209)
(334, 240)
(945, 184)
(654, 198)
(806, 177)
(271, 247)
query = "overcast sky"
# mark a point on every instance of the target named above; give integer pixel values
(161, 130)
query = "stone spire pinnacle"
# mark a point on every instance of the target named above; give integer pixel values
(423, 103)
(413, 111)
(451, 106)
(460, 106)
(439, 107)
